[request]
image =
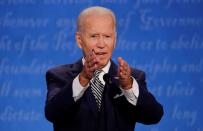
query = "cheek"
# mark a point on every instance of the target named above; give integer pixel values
(111, 49)
(89, 45)
(87, 48)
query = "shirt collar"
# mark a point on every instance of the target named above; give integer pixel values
(105, 68)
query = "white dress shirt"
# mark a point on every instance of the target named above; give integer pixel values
(131, 94)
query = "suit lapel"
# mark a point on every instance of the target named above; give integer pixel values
(113, 69)
(88, 93)
(111, 89)
(114, 86)
(92, 102)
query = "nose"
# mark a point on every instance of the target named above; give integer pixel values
(101, 42)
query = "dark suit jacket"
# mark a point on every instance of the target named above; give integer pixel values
(116, 114)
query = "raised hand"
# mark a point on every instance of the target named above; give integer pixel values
(90, 65)
(124, 74)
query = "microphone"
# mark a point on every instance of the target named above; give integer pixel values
(107, 78)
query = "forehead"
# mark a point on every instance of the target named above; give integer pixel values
(101, 23)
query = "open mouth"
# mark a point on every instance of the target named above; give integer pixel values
(100, 53)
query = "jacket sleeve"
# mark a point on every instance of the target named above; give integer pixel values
(147, 110)
(60, 104)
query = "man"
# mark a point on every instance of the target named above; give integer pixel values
(95, 94)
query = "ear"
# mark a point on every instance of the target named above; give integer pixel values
(78, 39)
(115, 40)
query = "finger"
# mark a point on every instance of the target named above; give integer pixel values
(88, 57)
(91, 59)
(120, 61)
(90, 70)
(119, 66)
(122, 76)
(122, 64)
(93, 68)
(124, 69)
(94, 57)
(92, 63)
(122, 73)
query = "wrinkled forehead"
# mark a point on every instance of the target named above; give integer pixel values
(94, 21)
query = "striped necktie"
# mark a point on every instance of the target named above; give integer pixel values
(97, 88)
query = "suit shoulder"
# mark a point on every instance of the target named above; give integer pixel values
(59, 68)
(138, 74)
(64, 71)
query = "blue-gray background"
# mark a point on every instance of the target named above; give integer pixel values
(162, 37)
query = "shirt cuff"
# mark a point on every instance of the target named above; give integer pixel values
(78, 89)
(132, 93)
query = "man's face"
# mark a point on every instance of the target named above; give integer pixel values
(98, 34)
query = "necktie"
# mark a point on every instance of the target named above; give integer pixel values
(97, 88)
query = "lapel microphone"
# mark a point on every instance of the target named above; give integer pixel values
(107, 78)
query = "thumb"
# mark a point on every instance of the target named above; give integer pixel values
(120, 60)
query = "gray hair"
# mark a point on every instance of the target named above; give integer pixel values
(95, 10)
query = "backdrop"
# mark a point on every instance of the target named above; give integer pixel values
(163, 38)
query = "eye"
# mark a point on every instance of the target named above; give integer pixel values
(93, 36)
(107, 36)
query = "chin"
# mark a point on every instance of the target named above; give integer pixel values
(102, 63)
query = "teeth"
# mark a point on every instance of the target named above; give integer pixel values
(100, 53)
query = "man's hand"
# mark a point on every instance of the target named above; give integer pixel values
(90, 65)
(124, 74)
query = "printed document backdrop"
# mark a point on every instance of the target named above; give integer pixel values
(162, 37)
